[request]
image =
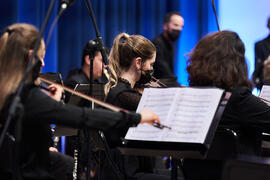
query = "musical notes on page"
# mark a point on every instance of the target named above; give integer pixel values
(265, 94)
(188, 111)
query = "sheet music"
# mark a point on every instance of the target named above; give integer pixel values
(265, 92)
(189, 111)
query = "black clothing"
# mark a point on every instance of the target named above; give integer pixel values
(262, 51)
(248, 116)
(132, 167)
(81, 141)
(124, 96)
(61, 166)
(164, 65)
(40, 111)
(76, 76)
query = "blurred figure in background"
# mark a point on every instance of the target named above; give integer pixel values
(172, 26)
(262, 52)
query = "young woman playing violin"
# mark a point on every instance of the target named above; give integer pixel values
(40, 110)
(131, 61)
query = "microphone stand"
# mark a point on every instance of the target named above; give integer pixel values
(215, 12)
(16, 105)
(105, 61)
(99, 38)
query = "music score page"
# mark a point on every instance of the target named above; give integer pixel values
(265, 92)
(188, 111)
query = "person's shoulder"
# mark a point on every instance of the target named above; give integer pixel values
(120, 88)
(240, 93)
(241, 90)
(157, 39)
(263, 41)
(73, 72)
(75, 76)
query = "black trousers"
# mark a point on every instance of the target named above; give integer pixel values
(61, 166)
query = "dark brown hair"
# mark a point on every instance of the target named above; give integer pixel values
(218, 60)
(167, 17)
(15, 43)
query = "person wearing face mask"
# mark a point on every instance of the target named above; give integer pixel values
(131, 61)
(172, 26)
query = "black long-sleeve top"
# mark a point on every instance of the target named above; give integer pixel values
(40, 111)
(262, 51)
(132, 167)
(124, 96)
(249, 116)
(164, 65)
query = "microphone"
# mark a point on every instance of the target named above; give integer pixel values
(93, 43)
(64, 4)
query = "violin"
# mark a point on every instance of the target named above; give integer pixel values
(153, 83)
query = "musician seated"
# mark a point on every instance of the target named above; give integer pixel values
(16, 47)
(131, 61)
(218, 60)
(82, 75)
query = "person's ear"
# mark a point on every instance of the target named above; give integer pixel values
(138, 63)
(87, 60)
(165, 26)
(30, 52)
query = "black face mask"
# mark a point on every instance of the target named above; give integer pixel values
(174, 34)
(146, 76)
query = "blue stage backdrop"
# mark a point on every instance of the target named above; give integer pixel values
(113, 16)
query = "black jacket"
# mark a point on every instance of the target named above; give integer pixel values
(262, 51)
(132, 167)
(164, 65)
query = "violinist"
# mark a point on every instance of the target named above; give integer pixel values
(40, 110)
(131, 61)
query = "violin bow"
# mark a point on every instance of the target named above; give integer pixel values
(84, 96)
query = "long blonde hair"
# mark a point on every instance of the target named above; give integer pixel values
(125, 48)
(15, 43)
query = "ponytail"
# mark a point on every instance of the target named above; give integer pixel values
(114, 62)
(125, 49)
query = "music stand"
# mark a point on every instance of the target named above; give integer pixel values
(175, 149)
(98, 93)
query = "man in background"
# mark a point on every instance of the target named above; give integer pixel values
(262, 52)
(172, 26)
(82, 75)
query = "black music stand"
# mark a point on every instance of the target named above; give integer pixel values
(98, 93)
(175, 149)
